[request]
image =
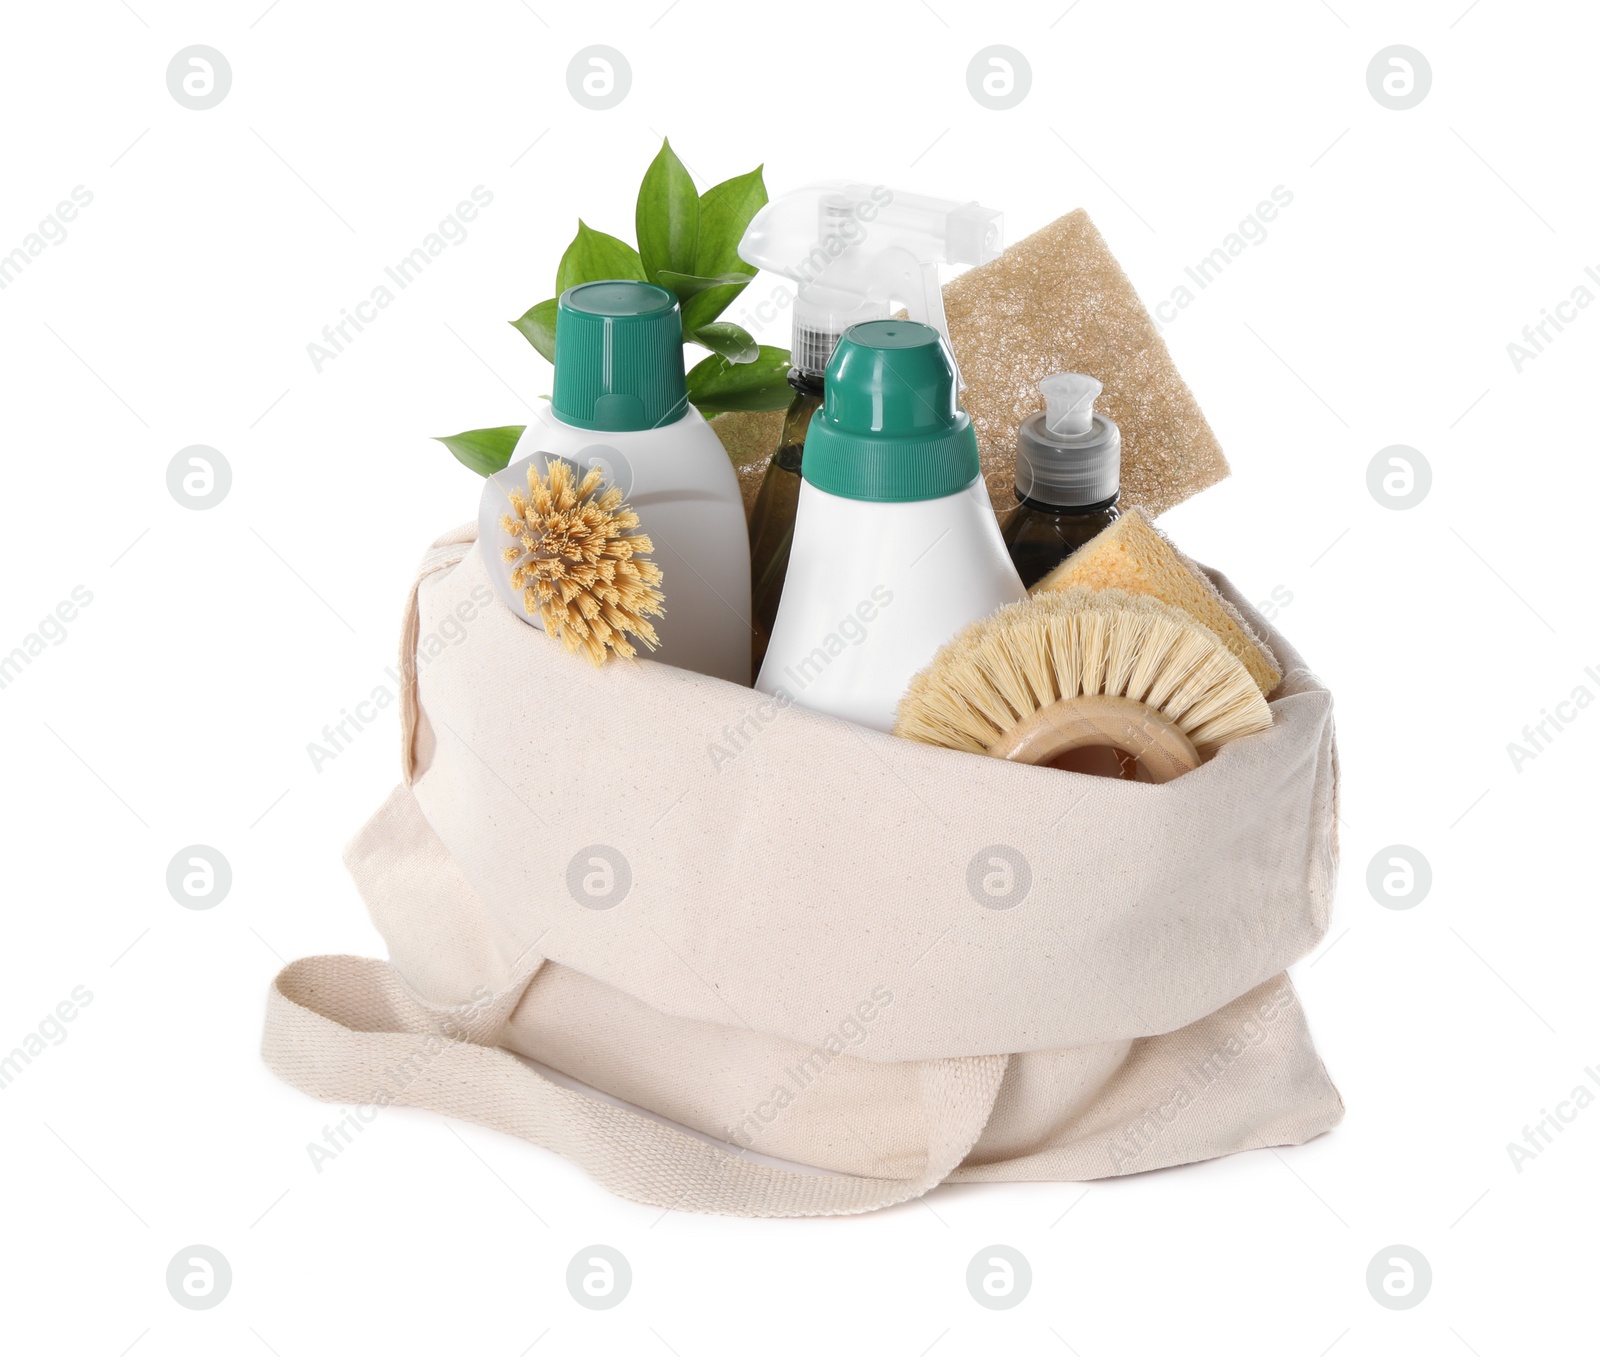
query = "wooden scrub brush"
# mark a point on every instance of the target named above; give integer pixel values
(579, 563)
(1083, 668)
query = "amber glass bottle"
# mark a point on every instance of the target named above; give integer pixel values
(1040, 536)
(1069, 463)
(772, 520)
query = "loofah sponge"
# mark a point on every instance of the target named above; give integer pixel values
(1131, 555)
(1059, 302)
(750, 438)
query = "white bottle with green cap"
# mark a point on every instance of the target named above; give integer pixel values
(896, 547)
(854, 252)
(618, 400)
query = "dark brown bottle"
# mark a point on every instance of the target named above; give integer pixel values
(772, 520)
(1040, 536)
(1069, 462)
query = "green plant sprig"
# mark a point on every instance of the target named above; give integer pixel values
(688, 244)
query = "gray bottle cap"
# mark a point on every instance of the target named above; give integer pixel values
(1067, 455)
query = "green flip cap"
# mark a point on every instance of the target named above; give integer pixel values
(619, 357)
(890, 429)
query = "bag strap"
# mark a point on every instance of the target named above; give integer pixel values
(448, 551)
(348, 1029)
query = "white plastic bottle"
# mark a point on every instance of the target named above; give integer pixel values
(853, 251)
(896, 547)
(618, 401)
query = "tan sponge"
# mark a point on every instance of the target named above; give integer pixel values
(750, 438)
(1133, 556)
(1058, 301)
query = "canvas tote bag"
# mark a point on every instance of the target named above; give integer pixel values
(732, 955)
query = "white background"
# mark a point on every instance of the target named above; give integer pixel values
(178, 708)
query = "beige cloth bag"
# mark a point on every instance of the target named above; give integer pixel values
(766, 934)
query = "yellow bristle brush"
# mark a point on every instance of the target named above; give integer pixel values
(1080, 669)
(579, 562)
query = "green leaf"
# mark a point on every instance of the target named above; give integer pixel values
(485, 451)
(688, 285)
(725, 211)
(732, 341)
(667, 217)
(716, 384)
(538, 326)
(594, 257)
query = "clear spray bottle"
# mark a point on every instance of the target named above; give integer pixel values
(853, 251)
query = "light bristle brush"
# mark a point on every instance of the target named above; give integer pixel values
(580, 563)
(1080, 669)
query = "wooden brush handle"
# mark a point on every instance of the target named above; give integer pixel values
(1123, 723)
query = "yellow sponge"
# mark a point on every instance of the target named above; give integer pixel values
(1132, 555)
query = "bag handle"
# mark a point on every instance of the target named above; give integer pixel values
(348, 1029)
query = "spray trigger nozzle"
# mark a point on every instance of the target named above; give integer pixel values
(855, 251)
(1069, 403)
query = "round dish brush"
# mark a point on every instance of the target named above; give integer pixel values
(1084, 668)
(579, 563)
